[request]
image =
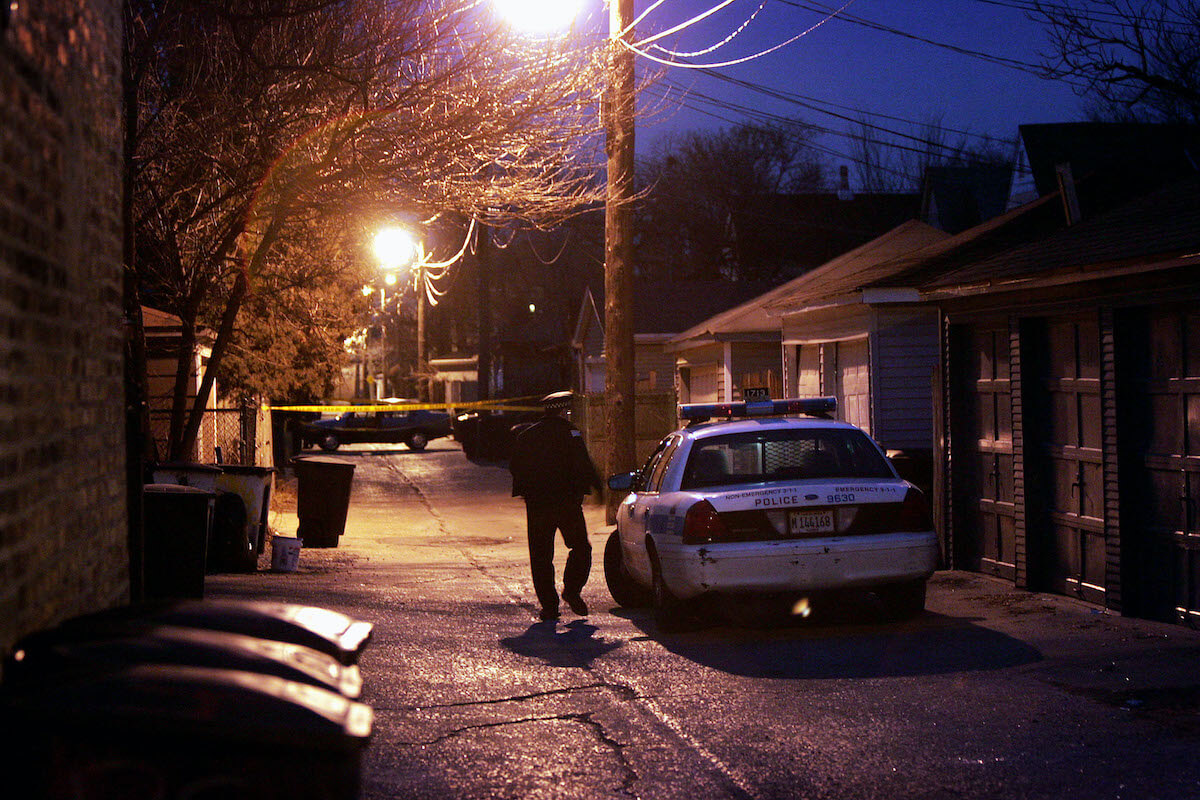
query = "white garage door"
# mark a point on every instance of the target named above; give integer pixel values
(854, 384)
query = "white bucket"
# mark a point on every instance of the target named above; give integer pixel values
(285, 553)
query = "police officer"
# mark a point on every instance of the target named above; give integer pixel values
(552, 470)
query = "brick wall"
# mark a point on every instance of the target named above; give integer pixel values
(62, 510)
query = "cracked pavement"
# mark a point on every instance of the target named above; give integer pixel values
(993, 692)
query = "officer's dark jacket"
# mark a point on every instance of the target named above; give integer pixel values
(550, 462)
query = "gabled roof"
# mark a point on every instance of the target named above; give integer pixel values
(840, 276)
(1159, 227)
(662, 308)
(1144, 154)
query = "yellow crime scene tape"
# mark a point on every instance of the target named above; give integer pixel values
(507, 404)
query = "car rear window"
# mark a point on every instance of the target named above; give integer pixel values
(781, 455)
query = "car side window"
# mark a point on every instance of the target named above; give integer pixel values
(659, 468)
(642, 481)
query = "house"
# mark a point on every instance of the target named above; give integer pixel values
(661, 309)
(163, 336)
(1069, 405)
(821, 334)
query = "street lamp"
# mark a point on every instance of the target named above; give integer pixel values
(539, 16)
(397, 249)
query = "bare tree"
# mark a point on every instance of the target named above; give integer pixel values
(263, 122)
(702, 184)
(888, 160)
(1137, 59)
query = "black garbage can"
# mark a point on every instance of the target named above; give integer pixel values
(322, 498)
(63, 652)
(321, 629)
(177, 524)
(182, 731)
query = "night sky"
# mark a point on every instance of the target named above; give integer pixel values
(900, 63)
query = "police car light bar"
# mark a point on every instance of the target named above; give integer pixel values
(810, 406)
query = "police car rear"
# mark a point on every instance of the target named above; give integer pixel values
(764, 503)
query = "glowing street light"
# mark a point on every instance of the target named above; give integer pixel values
(539, 16)
(395, 248)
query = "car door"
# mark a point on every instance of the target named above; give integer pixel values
(641, 506)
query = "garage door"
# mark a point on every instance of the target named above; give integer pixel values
(854, 383)
(705, 383)
(1165, 557)
(985, 529)
(1075, 554)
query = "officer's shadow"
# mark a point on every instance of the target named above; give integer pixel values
(571, 645)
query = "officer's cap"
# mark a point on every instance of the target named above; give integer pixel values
(557, 400)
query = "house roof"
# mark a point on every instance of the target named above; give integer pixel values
(662, 308)
(1160, 226)
(843, 274)
(1146, 154)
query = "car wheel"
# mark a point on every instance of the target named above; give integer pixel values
(669, 612)
(624, 590)
(903, 600)
(417, 441)
(329, 442)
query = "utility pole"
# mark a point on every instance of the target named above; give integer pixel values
(483, 259)
(618, 245)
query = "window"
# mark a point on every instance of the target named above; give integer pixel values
(660, 468)
(786, 454)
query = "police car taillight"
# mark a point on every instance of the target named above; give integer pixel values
(914, 514)
(702, 524)
(811, 406)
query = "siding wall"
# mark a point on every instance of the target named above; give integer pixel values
(63, 532)
(904, 354)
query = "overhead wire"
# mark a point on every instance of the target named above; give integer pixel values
(638, 47)
(816, 105)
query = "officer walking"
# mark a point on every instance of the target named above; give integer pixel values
(552, 470)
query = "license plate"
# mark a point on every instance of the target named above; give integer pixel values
(810, 522)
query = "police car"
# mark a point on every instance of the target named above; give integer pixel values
(750, 500)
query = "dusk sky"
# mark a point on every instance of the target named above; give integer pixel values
(898, 62)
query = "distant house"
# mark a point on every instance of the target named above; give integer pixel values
(661, 310)
(1070, 408)
(163, 340)
(955, 198)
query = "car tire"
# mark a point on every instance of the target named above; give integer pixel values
(417, 441)
(903, 600)
(329, 443)
(624, 590)
(669, 613)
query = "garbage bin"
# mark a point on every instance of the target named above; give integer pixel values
(322, 498)
(322, 629)
(188, 473)
(253, 485)
(157, 730)
(62, 652)
(177, 525)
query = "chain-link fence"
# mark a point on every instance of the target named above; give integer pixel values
(238, 435)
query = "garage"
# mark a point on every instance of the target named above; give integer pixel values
(1159, 357)
(981, 427)
(1064, 467)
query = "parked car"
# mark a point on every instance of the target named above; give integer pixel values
(415, 427)
(771, 507)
